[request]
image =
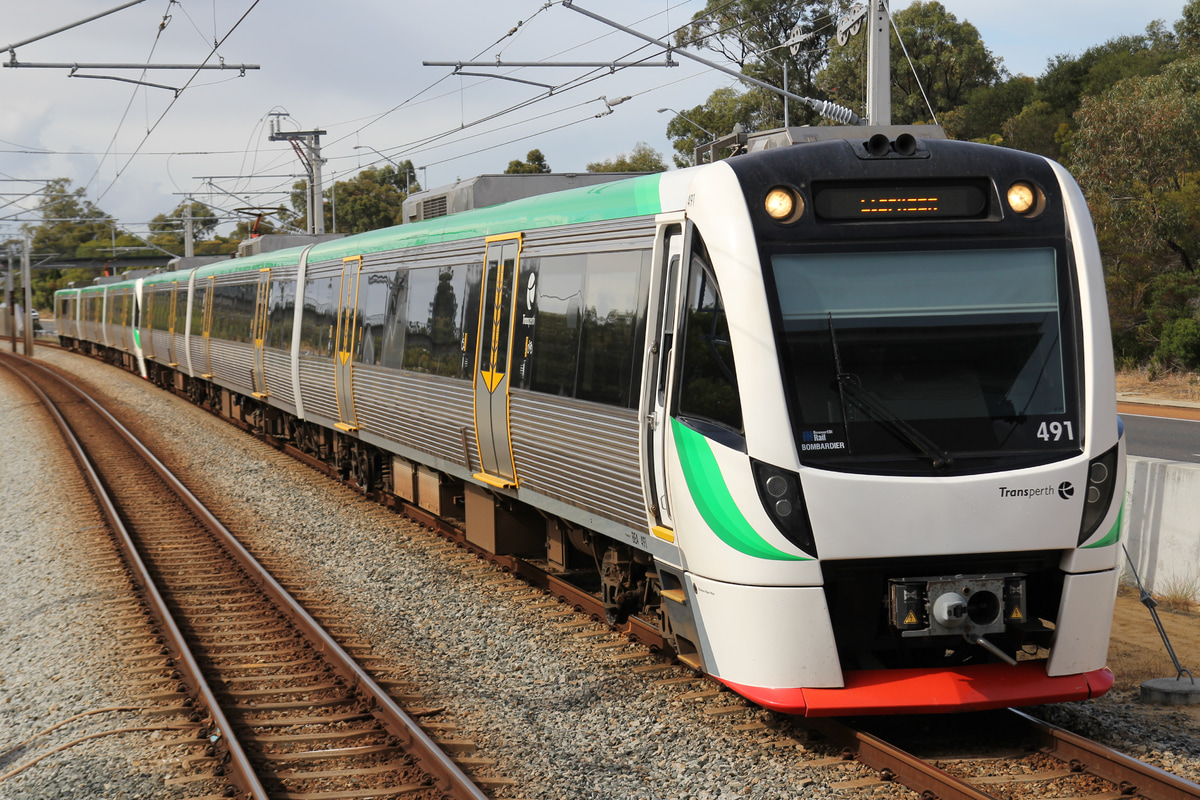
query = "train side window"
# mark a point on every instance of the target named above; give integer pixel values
(558, 304)
(472, 294)
(160, 307)
(281, 308)
(318, 321)
(395, 316)
(708, 393)
(233, 312)
(609, 348)
(374, 292)
(434, 330)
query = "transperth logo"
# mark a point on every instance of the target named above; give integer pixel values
(1065, 490)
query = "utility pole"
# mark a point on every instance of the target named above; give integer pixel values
(25, 270)
(307, 145)
(189, 243)
(10, 309)
(879, 72)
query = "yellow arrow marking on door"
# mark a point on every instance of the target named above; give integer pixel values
(492, 379)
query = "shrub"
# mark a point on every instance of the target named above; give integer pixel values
(1179, 346)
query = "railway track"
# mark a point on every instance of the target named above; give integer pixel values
(285, 711)
(1013, 755)
(1049, 762)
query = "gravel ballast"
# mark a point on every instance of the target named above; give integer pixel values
(56, 658)
(559, 716)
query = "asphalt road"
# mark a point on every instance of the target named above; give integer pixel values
(1159, 436)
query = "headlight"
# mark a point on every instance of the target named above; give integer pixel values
(1025, 199)
(1101, 483)
(779, 491)
(783, 204)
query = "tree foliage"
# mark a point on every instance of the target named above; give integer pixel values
(370, 200)
(167, 229)
(644, 158)
(752, 35)
(534, 163)
(725, 108)
(1137, 158)
(1136, 152)
(948, 57)
(981, 118)
(68, 220)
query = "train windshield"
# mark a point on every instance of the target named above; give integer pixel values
(948, 361)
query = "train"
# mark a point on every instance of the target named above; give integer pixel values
(836, 414)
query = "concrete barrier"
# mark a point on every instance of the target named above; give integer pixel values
(1161, 526)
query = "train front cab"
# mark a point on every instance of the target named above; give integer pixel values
(901, 495)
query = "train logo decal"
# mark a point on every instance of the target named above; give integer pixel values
(818, 440)
(713, 500)
(1066, 490)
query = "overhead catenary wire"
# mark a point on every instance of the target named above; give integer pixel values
(171, 105)
(446, 139)
(441, 136)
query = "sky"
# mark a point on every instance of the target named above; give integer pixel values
(354, 69)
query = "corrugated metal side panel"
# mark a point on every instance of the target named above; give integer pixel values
(424, 412)
(232, 364)
(316, 387)
(622, 234)
(180, 353)
(159, 341)
(278, 367)
(583, 454)
(635, 233)
(467, 251)
(196, 346)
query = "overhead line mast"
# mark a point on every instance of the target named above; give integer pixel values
(879, 78)
(307, 145)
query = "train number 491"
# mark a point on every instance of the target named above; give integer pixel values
(1054, 431)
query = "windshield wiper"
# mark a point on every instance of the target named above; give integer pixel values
(850, 390)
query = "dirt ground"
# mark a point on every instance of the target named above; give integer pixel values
(1136, 652)
(1164, 386)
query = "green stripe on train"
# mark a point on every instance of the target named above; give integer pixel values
(635, 197)
(713, 500)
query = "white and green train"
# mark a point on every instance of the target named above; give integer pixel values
(839, 416)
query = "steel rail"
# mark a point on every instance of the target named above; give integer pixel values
(448, 776)
(243, 774)
(894, 764)
(1128, 774)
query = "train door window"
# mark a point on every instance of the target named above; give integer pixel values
(708, 394)
(613, 326)
(198, 305)
(180, 306)
(559, 306)
(171, 308)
